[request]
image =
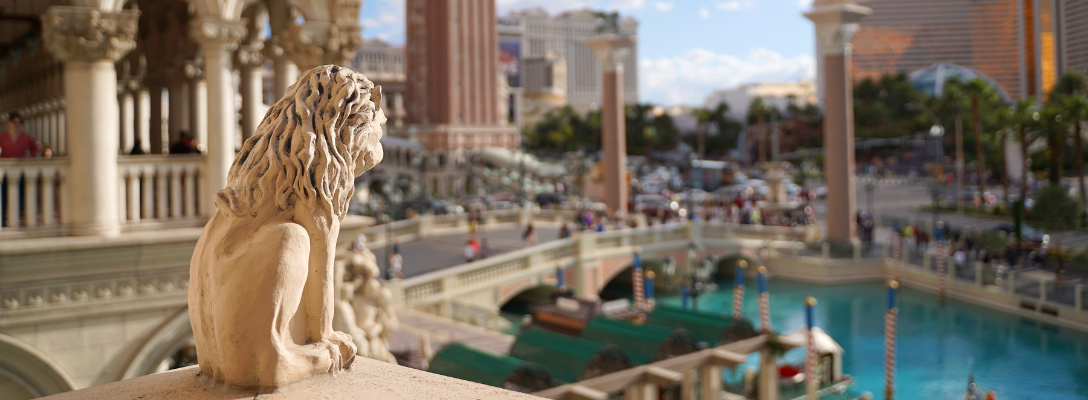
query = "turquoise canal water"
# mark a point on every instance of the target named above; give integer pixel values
(1017, 357)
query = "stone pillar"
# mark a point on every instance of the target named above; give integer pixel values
(610, 51)
(710, 382)
(128, 117)
(143, 119)
(285, 72)
(768, 376)
(250, 62)
(218, 38)
(641, 391)
(836, 22)
(89, 42)
(198, 105)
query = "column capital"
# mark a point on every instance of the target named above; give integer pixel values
(249, 55)
(836, 22)
(217, 34)
(610, 49)
(318, 43)
(87, 34)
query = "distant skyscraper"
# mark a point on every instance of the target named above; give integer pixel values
(453, 81)
(544, 37)
(1023, 45)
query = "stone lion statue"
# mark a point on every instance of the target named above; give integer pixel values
(364, 308)
(261, 279)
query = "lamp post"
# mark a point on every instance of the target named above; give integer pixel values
(420, 162)
(936, 131)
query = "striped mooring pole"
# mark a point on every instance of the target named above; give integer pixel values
(560, 278)
(764, 302)
(649, 283)
(636, 277)
(812, 383)
(738, 289)
(897, 245)
(939, 258)
(890, 318)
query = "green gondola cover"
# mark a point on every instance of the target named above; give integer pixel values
(459, 361)
(569, 359)
(713, 329)
(645, 342)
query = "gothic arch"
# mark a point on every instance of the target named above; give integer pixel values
(33, 369)
(166, 340)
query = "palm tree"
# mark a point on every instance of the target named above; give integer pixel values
(1069, 91)
(979, 91)
(702, 117)
(758, 109)
(1007, 119)
(952, 96)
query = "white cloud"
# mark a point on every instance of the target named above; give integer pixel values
(557, 6)
(704, 13)
(626, 5)
(689, 77)
(804, 3)
(664, 6)
(388, 25)
(730, 6)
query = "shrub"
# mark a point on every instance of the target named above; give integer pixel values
(1054, 209)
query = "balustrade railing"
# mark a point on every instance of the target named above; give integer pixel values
(33, 194)
(159, 188)
(44, 121)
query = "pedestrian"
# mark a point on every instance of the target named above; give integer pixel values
(564, 231)
(470, 252)
(396, 261)
(485, 250)
(184, 145)
(472, 220)
(530, 235)
(16, 143)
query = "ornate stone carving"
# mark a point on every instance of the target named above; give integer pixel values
(611, 50)
(216, 34)
(87, 34)
(249, 55)
(319, 43)
(365, 308)
(261, 295)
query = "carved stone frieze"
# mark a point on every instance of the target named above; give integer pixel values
(87, 34)
(216, 34)
(314, 44)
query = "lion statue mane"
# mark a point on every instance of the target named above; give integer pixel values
(261, 292)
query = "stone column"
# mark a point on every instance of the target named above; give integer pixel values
(90, 42)
(250, 64)
(198, 104)
(610, 51)
(836, 22)
(218, 38)
(285, 72)
(128, 117)
(768, 376)
(143, 119)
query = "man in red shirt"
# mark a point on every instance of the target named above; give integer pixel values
(15, 143)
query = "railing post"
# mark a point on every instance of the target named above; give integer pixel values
(978, 273)
(161, 192)
(190, 191)
(927, 260)
(884, 251)
(825, 250)
(1012, 282)
(711, 377)
(12, 204)
(48, 197)
(30, 196)
(1042, 295)
(175, 191)
(857, 251)
(147, 206)
(1078, 297)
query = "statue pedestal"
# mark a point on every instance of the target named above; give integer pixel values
(378, 380)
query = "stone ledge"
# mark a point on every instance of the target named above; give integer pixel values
(367, 378)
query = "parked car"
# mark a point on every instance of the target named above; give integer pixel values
(1030, 234)
(548, 200)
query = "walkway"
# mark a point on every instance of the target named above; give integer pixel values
(414, 323)
(438, 252)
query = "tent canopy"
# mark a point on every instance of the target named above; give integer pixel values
(706, 327)
(566, 357)
(459, 361)
(646, 342)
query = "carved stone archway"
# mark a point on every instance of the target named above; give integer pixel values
(38, 373)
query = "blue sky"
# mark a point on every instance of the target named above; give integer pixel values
(687, 48)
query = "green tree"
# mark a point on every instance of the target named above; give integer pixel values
(1070, 91)
(981, 95)
(879, 105)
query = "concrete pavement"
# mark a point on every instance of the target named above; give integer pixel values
(438, 252)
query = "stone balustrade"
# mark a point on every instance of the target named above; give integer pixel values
(34, 197)
(159, 188)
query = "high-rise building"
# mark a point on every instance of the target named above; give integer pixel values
(453, 83)
(543, 37)
(1023, 45)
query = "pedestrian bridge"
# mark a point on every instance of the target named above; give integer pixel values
(474, 292)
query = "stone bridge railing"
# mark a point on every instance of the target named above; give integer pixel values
(485, 284)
